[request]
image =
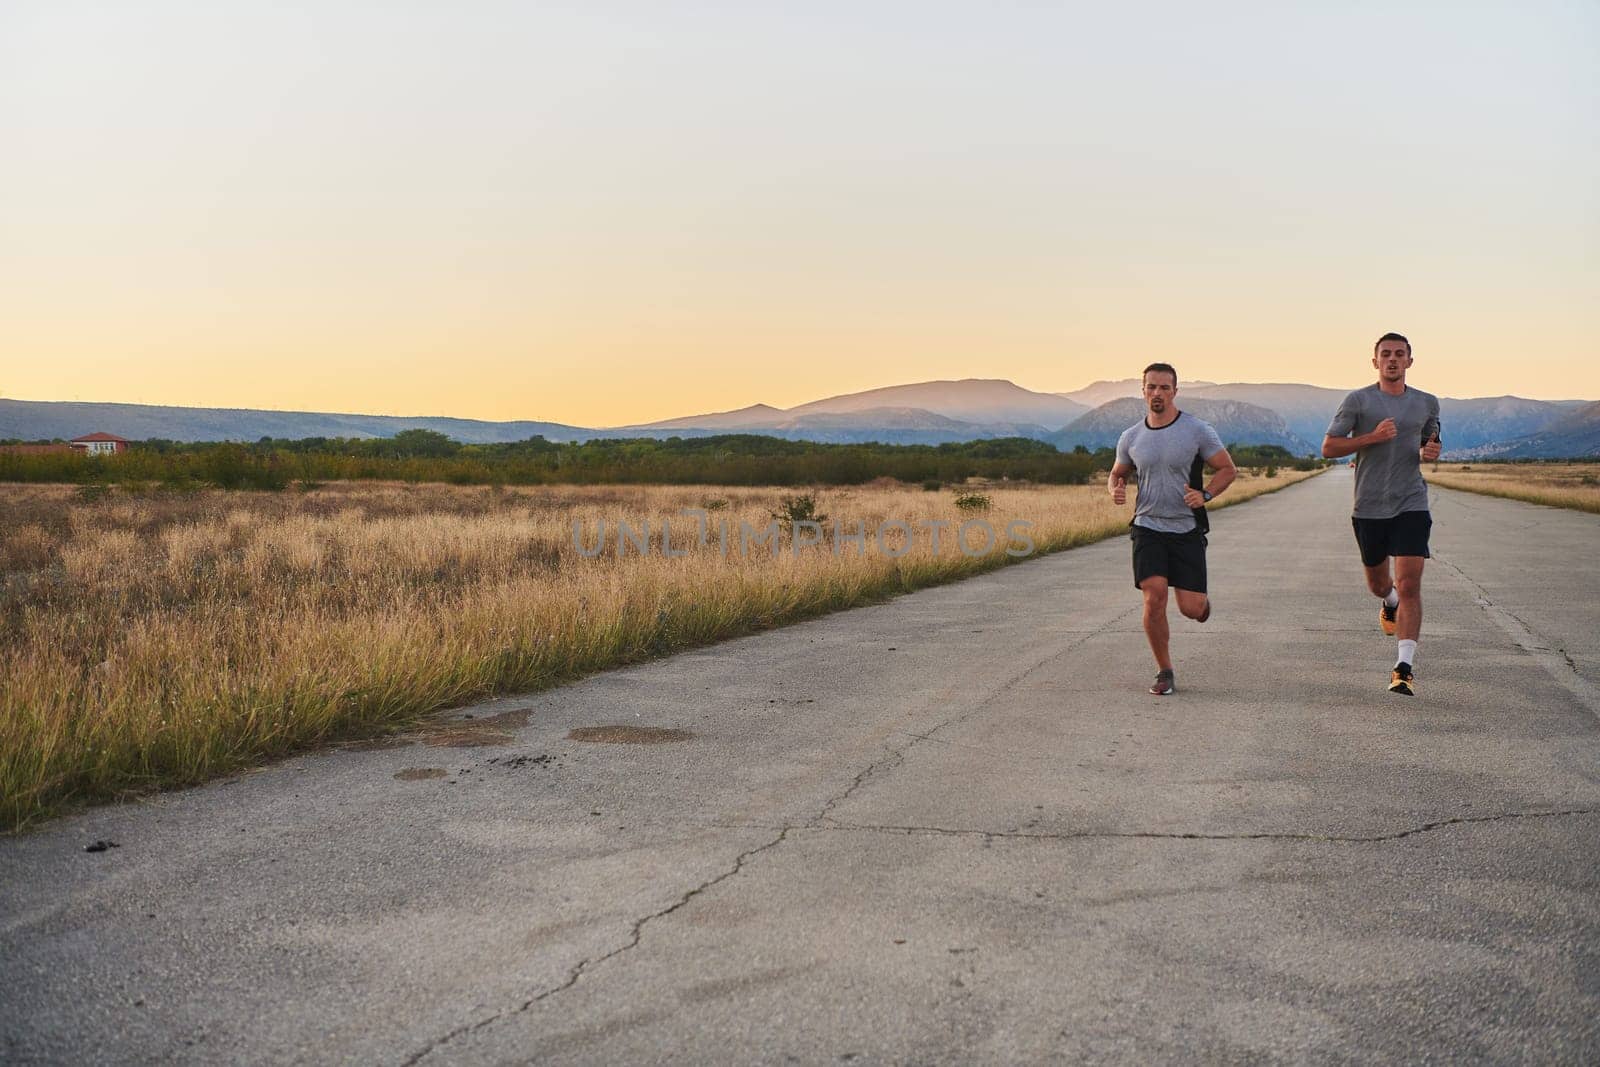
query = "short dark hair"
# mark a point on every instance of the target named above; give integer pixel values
(1391, 337)
(1161, 368)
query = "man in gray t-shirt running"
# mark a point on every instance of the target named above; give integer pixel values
(1169, 450)
(1392, 429)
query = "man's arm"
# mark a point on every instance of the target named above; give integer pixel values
(1222, 464)
(1431, 448)
(1117, 483)
(1431, 445)
(1339, 447)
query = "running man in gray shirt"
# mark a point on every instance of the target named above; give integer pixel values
(1392, 429)
(1169, 450)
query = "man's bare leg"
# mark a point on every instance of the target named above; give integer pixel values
(1155, 619)
(1378, 580)
(1408, 581)
(1190, 603)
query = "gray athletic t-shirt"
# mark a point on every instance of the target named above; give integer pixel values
(1163, 459)
(1388, 475)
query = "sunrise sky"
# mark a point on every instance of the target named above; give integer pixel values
(601, 212)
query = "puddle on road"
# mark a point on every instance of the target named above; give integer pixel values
(467, 739)
(629, 735)
(469, 732)
(464, 731)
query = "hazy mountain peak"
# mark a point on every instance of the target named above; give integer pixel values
(1096, 393)
(941, 389)
(975, 400)
(895, 418)
(751, 417)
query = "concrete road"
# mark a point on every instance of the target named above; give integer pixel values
(949, 829)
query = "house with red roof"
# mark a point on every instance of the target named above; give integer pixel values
(99, 444)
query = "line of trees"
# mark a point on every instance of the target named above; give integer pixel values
(428, 456)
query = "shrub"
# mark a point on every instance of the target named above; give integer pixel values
(973, 502)
(793, 509)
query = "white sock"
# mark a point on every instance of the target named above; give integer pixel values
(1408, 652)
(1393, 599)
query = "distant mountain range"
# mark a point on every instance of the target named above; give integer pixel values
(923, 413)
(1575, 434)
(46, 420)
(1236, 422)
(1291, 415)
(1097, 393)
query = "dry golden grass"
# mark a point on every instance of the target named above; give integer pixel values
(1560, 485)
(155, 640)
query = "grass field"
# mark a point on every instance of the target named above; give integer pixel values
(151, 640)
(1560, 485)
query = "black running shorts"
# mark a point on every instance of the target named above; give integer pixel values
(1404, 535)
(1179, 558)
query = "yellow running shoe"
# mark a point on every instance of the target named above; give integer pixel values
(1401, 681)
(1386, 618)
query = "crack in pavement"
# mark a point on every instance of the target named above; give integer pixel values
(897, 757)
(819, 825)
(893, 758)
(1557, 663)
(1080, 835)
(583, 965)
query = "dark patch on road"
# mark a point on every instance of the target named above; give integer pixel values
(101, 846)
(469, 732)
(417, 774)
(466, 739)
(629, 735)
(465, 731)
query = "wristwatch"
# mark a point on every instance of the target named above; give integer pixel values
(1205, 494)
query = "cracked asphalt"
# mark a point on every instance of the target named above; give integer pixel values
(948, 829)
